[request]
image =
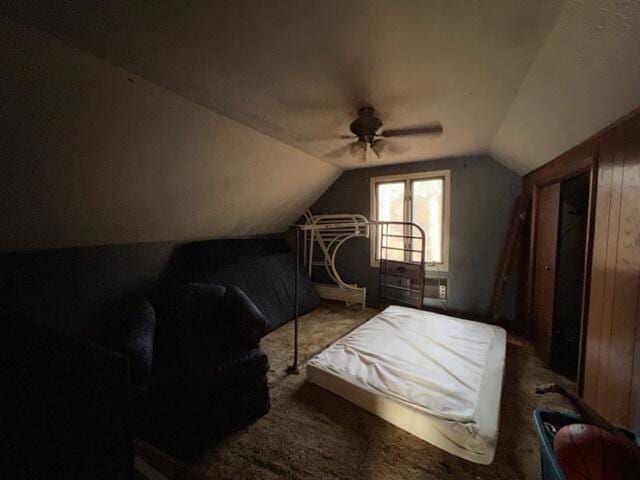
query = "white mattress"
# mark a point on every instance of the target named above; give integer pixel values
(435, 376)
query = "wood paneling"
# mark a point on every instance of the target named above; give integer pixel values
(579, 159)
(548, 207)
(588, 261)
(610, 360)
(613, 315)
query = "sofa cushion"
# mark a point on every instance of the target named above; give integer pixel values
(246, 322)
(137, 341)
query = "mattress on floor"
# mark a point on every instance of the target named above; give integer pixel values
(435, 376)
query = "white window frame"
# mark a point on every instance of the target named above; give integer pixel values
(408, 178)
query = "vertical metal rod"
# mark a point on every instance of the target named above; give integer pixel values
(294, 366)
(312, 240)
(383, 230)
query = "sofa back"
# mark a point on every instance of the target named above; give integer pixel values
(263, 268)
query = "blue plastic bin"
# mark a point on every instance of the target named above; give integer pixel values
(550, 468)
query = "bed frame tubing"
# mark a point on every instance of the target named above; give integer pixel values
(312, 228)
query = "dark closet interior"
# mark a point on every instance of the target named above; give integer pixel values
(569, 281)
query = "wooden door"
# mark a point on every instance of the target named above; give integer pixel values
(546, 239)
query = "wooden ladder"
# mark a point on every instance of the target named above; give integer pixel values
(518, 216)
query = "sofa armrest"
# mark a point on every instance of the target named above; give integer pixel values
(246, 322)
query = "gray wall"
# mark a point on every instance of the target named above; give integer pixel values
(482, 196)
(78, 290)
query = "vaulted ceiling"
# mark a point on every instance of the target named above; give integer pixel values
(523, 79)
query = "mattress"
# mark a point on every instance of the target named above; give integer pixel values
(435, 376)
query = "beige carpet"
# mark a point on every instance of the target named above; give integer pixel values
(313, 434)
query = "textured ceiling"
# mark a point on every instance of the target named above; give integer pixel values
(586, 76)
(297, 70)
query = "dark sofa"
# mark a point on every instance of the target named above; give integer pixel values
(196, 366)
(178, 373)
(209, 374)
(65, 410)
(191, 334)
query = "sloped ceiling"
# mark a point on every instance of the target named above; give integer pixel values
(92, 154)
(586, 76)
(523, 79)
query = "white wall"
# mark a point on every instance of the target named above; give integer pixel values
(92, 154)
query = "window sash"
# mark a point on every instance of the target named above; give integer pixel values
(391, 242)
(410, 181)
(436, 231)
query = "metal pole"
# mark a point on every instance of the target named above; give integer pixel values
(294, 366)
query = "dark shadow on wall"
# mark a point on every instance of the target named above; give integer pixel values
(76, 289)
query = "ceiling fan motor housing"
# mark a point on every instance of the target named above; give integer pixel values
(366, 125)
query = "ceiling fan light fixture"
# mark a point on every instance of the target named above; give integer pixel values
(378, 147)
(358, 149)
(368, 137)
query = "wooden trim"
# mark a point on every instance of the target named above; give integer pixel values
(586, 283)
(576, 162)
(635, 386)
(528, 310)
(562, 168)
(588, 146)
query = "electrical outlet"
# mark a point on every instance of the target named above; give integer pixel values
(442, 292)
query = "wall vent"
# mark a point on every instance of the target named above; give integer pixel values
(436, 288)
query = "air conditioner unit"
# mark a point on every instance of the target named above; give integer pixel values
(436, 288)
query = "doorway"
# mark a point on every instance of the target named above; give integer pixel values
(573, 216)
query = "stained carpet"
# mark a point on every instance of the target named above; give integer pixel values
(313, 434)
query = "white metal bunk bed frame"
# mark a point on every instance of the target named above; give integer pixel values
(336, 230)
(330, 232)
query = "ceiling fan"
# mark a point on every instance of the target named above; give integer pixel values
(369, 135)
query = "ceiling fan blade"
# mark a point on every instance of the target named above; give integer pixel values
(394, 149)
(433, 129)
(321, 138)
(339, 152)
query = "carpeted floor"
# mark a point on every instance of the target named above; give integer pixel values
(313, 434)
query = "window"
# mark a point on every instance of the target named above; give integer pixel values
(421, 198)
